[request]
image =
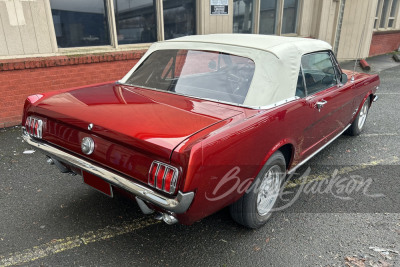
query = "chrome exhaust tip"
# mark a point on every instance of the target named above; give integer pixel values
(167, 218)
(50, 161)
(159, 216)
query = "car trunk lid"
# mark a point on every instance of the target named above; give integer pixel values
(144, 119)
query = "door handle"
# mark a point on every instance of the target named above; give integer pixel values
(320, 104)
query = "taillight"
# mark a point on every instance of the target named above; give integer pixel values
(160, 177)
(168, 179)
(35, 132)
(152, 175)
(31, 126)
(34, 127)
(163, 176)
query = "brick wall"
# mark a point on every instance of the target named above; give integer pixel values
(20, 78)
(384, 42)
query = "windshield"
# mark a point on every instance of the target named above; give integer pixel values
(204, 74)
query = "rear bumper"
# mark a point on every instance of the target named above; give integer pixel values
(178, 204)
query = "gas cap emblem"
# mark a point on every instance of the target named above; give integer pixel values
(87, 145)
(90, 127)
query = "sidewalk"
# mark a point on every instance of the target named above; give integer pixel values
(377, 63)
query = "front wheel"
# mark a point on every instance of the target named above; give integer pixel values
(358, 124)
(255, 207)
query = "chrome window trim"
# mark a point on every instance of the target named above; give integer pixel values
(213, 100)
(337, 69)
(333, 65)
(304, 80)
(178, 204)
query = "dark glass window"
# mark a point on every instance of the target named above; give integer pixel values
(300, 90)
(268, 11)
(80, 23)
(179, 18)
(319, 72)
(394, 8)
(136, 21)
(289, 19)
(203, 74)
(243, 12)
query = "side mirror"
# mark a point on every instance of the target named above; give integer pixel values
(343, 78)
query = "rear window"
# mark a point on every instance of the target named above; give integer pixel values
(204, 74)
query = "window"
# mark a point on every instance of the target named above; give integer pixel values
(270, 15)
(386, 12)
(80, 23)
(88, 23)
(319, 72)
(203, 74)
(135, 21)
(300, 89)
(289, 18)
(179, 18)
(243, 21)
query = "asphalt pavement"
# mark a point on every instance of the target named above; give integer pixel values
(53, 219)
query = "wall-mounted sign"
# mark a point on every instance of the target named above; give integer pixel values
(219, 7)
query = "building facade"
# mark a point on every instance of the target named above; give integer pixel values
(55, 44)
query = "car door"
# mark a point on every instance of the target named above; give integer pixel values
(326, 96)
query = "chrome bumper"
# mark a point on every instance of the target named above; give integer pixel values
(178, 204)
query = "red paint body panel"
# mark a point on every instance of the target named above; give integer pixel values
(205, 140)
(131, 117)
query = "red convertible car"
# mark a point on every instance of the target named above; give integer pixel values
(203, 122)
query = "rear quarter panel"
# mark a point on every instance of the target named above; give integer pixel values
(223, 165)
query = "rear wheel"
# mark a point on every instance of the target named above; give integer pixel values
(255, 207)
(358, 124)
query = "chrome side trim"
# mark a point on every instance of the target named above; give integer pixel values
(280, 103)
(316, 152)
(178, 204)
(213, 100)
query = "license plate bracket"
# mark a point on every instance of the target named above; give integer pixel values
(97, 183)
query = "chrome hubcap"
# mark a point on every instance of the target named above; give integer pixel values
(269, 190)
(363, 115)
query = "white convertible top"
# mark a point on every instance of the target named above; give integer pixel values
(278, 45)
(277, 60)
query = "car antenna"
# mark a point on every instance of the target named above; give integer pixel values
(359, 50)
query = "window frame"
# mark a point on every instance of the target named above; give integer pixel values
(254, 15)
(379, 14)
(112, 28)
(304, 82)
(53, 36)
(279, 17)
(173, 69)
(336, 67)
